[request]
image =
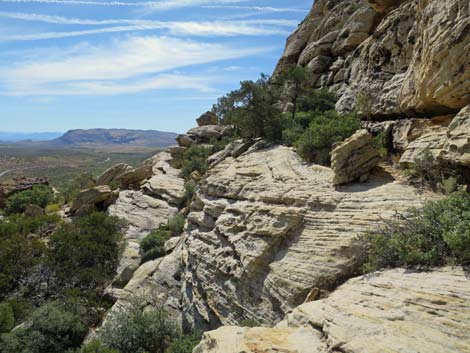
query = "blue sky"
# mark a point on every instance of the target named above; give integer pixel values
(132, 64)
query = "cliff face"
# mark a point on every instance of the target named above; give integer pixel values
(387, 58)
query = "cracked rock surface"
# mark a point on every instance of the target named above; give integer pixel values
(390, 311)
(267, 230)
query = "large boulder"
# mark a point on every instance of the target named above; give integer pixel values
(135, 177)
(19, 184)
(392, 311)
(265, 229)
(99, 197)
(204, 134)
(354, 157)
(113, 173)
(208, 118)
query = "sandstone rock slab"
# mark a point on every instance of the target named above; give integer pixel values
(354, 157)
(265, 229)
(391, 311)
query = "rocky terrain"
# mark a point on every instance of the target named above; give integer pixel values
(268, 237)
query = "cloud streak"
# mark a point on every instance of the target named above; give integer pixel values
(154, 5)
(261, 27)
(126, 66)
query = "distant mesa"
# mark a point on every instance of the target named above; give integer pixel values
(106, 137)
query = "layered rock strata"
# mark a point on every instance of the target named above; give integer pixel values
(391, 311)
(267, 231)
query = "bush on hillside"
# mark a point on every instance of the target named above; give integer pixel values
(189, 192)
(137, 330)
(152, 246)
(51, 329)
(324, 130)
(85, 253)
(72, 188)
(19, 252)
(39, 195)
(176, 224)
(7, 318)
(96, 346)
(435, 235)
(185, 343)
(320, 100)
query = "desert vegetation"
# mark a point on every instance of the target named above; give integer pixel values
(435, 235)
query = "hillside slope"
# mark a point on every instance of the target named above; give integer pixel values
(115, 137)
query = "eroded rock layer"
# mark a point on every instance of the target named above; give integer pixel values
(392, 311)
(267, 231)
(387, 58)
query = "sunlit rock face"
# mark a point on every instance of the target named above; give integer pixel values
(268, 231)
(391, 311)
(387, 58)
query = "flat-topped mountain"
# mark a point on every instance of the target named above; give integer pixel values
(104, 137)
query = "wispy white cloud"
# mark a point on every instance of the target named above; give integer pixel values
(255, 8)
(158, 24)
(155, 5)
(215, 28)
(132, 65)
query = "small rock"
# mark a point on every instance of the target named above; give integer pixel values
(171, 244)
(184, 140)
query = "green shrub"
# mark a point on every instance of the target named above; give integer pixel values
(97, 347)
(40, 195)
(324, 130)
(115, 184)
(139, 330)
(380, 142)
(185, 343)
(176, 224)
(152, 246)
(426, 168)
(435, 235)
(189, 192)
(52, 208)
(51, 329)
(7, 317)
(192, 159)
(320, 100)
(364, 104)
(71, 189)
(21, 307)
(249, 323)
(19, 252)
(86, 252)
